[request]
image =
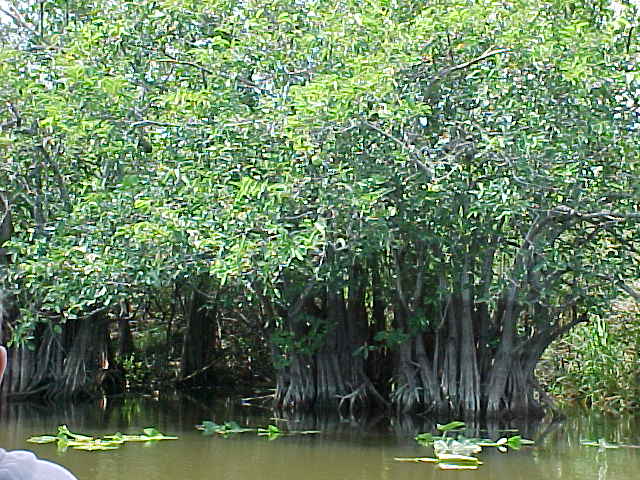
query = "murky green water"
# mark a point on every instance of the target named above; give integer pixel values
(354, 450)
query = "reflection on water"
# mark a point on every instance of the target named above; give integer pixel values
(354, 449)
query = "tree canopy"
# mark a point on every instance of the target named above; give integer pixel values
(410, 200)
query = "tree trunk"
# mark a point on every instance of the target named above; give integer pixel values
(199, 343)
(89, 360)
(125, 338)
(326, 358)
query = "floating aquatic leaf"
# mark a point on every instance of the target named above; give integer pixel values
(588, 443)
(461, 459)
(516, 442)
(456, 447)
(208, 427)
(95, 446)
(227, 428)
(601, 443)
(440, 446)
(426, 438)
(450, 426)
(417, 459)
(456, 466)
(457, 453)
(269, 429)
(486, 443)
(271, 432)
(66, 439)
(64, 431)
(153, 434)
(146, 438)
(115, 438)
(42, 439)
(135, 438)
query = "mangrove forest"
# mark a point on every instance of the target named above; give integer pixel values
(388, 204)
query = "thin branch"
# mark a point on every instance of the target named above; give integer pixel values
(145, 123)
(64, 192)
(200, 371)
(400, 290)
(592, 217)
(417, 294)
(488, 53)
(17, 18)
(297, 307)
(428, 170)
(184, 62)
(204, 69)
(17, 119)
(635, 294)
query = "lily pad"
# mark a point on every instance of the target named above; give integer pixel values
(417, 459)
(450, 426)
(456, 466)
(67, 439)
(42, 439)
(227, 428)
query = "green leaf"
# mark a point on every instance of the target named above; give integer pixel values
(417, 459)
(42, 439)
(450, 426)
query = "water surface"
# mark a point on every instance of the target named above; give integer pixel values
(347, 449)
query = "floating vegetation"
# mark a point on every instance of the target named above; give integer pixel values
(271, 432)
(67, 439)
(602, 444)
(450, 461)
(458, 453)
(226, 429)
(417, 459)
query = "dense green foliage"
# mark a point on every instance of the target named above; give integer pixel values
(395, 202)
(596, 365)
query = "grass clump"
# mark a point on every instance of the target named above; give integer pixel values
(597, 364)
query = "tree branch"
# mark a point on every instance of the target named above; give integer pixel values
(426, 169)
(184, 62)
(635, 294)
(204, 69)
(446, 71)
(17, 18)
(146, 123)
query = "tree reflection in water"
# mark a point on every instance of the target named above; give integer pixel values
(22, 464)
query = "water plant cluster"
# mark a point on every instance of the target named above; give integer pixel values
(229, 428)
(460, 453)
(65, 439)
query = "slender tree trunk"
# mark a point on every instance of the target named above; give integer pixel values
(469, 375)
(378, 364)
(125, 338)
(499, 376)
(199, 343)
